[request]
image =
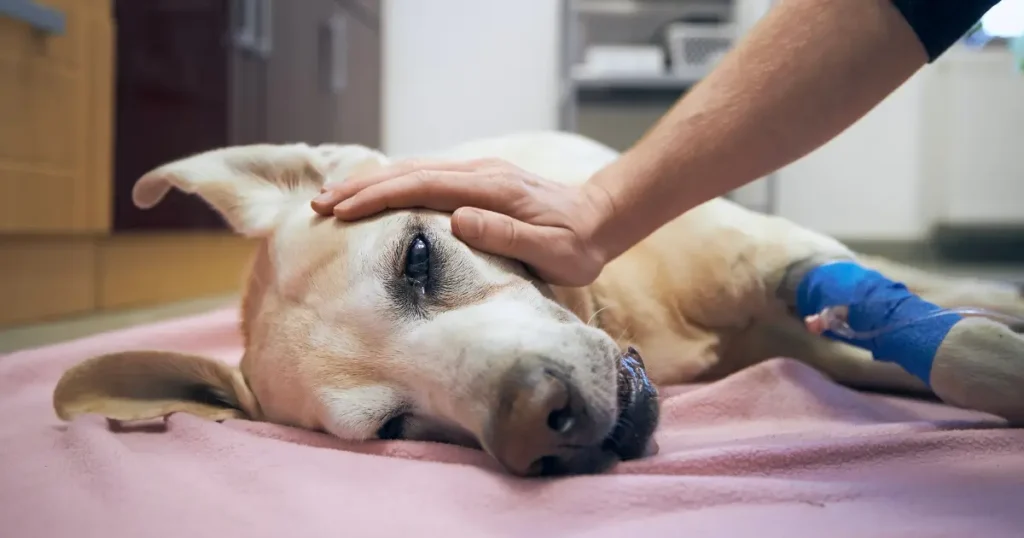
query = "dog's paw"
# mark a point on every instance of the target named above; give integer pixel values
(980, 365)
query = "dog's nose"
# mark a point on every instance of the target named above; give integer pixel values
(540, 417)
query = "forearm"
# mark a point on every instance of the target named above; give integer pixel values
(806, 72)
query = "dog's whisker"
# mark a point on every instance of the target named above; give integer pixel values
(590, 322)
(623, 334)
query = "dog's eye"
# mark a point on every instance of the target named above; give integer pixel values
(393, 429)
(417, 261)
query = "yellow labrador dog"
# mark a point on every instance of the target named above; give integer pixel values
(391, 328)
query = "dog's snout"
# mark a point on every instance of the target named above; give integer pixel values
(540, 417)
(552, 399)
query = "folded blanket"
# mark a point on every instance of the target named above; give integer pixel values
(775, 450)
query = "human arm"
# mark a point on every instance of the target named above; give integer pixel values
(804, 73)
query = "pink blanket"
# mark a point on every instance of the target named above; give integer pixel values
(775, 450)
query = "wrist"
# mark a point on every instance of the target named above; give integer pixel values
(602, 230)
(621, 192)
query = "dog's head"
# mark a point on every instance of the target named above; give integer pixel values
(384, 328)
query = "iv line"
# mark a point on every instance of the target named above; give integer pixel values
(834, 318)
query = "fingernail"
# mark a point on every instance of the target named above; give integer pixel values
(471, 225)
(327, 197)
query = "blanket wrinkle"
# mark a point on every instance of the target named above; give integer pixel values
(774, 450)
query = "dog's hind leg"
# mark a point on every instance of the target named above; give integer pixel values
(975, 363)
(846, 364)
(980, 363)
(952, 292)
(739, 276)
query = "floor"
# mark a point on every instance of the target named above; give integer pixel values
(29, 336)
(999, 272)
(15, 338)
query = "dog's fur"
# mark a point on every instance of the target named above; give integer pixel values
(337, 339)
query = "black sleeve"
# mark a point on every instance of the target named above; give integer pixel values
(940, 23)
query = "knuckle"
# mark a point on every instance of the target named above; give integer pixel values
(412, 163)
(500, 168)
(482, 163)
(422, 177)
(493, 162)
(497, 177)
(516, 188)
(511, 235)
(511, 189)
(409, 167)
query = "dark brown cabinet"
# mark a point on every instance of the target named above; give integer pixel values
(194, 75)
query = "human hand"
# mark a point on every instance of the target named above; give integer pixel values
(498, 208)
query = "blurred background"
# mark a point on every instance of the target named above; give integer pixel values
(93, 93)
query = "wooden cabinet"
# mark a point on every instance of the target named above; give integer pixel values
(131, 84)
(212, 73)
(55, 121)
(173, 60)
(323, 73)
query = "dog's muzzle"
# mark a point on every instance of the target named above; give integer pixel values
(543, 426)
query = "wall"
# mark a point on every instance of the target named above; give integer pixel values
(976, 123)
(867, 183)
(459, 69)
(942, 148)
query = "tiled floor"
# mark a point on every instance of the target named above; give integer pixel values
(47, 333)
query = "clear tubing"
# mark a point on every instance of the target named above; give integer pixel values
(834, 319)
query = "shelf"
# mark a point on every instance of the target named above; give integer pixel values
(586, 81)
(639, 8)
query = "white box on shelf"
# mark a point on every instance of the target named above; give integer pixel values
(694, 49)
(622, 60)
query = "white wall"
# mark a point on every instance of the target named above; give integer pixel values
(459, 69)
(867, 183)
(944, 147)
(976, 115)
(746, 13)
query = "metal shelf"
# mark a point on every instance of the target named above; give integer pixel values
(590, 81)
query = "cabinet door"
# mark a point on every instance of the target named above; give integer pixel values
(55, 120)
(358, 117)
(323, 73)
(300, 105)
(248, 71)
(172, 101)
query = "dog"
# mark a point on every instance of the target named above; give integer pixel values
(390, 328)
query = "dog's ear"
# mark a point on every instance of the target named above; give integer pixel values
(250, 186)
(141, 385)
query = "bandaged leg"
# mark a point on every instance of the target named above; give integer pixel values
(975, 363)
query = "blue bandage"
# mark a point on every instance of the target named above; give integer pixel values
(874, 303)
